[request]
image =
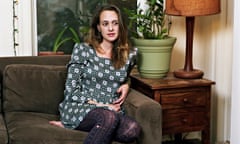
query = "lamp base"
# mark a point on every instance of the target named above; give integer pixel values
(194, 74)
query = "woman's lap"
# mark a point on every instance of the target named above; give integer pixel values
(104, 126)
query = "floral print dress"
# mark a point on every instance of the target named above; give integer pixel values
(90, 78)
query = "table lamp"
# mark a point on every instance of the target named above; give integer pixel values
(190, 9)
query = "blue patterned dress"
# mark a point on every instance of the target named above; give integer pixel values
(90, 78)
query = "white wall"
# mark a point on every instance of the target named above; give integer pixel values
(25, 27)
(6, 26)
(235, 113)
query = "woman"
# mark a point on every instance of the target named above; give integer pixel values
(96, 84)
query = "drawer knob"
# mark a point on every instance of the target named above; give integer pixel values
(185, 100)
(184, 120)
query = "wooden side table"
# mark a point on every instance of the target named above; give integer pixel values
(185, 103)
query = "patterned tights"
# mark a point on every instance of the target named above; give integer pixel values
(104, 126)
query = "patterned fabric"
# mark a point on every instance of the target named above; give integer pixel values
(90, 78)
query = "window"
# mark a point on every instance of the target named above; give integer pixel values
(55, 18)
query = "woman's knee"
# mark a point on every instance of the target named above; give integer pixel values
(107, 118)
(133, 129)
(128, 131)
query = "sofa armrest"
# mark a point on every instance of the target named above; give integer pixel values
(148, 114)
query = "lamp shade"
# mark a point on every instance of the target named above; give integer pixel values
(192, 7)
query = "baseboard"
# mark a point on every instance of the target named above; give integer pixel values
(187, 141)
(226, 142)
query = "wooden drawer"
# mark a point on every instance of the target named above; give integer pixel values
(185, 103)
(183, 122)
(183, 99)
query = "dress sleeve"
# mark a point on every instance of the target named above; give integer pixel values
(73, 86)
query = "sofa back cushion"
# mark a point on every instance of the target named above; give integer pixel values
(33, 88)
(40, 60)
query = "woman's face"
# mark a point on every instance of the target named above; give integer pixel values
(109, 26)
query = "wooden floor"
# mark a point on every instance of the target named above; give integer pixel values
(193, 141)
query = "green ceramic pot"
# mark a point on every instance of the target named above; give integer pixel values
(154, 56)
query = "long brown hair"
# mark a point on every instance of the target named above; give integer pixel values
(121, 45)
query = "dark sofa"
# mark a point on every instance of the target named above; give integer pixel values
(31, 89)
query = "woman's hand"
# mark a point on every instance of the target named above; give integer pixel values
(123, 90)
(114, 107)
(56, 123)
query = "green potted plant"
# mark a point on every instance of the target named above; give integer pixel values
(60, 40)
(151, 39)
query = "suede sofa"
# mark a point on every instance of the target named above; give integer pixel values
(31, 89)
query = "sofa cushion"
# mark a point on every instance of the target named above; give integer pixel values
(34, 128)
(41, 60)
(31, 95)
(33, 88)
